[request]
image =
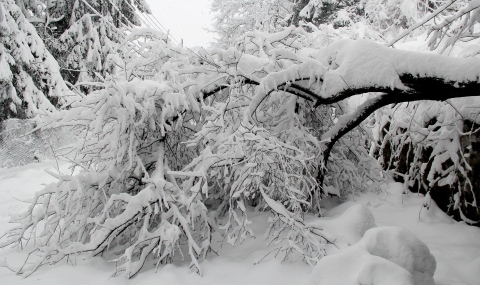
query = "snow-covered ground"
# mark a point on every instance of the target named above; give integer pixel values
(455, 246)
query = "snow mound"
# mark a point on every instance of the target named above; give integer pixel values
(385, 255)
(395, 193)
(401, 247)
(349, 227)
(394, 188)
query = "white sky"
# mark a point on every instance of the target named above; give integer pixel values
(186, 19)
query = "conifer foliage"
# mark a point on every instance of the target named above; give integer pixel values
(82, 34)
(30, 78)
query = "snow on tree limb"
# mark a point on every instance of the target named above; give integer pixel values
(420, 23)
(348, 68)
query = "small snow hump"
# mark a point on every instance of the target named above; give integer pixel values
(349, 226)
(385, 255)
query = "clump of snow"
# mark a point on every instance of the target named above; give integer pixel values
(331, 190)
(455, 245)
(361, 63)
(385, 255)
(348, 227)
(401, 247)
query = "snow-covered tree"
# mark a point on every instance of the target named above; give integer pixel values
(339, 13)
(459, 24)
(246, 116)
(431, 146)
(82, 34)
(234, 18)
(30, 78)
(254, 148)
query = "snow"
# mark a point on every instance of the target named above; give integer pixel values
(353, 65)
(362, 63)
(29, 51)
(349, 226)
(356, 266)
(397, 251)
(431, 213)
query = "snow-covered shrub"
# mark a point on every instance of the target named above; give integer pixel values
(124, 201)
(252, 167)
(432, 146)
(124, 189)
(136, 197)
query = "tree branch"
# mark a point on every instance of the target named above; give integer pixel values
(421, 89)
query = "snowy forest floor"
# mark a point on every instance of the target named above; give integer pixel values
(455, 245)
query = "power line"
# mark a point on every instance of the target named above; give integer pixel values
(146, 15)
(121, 14)
(155, 18)
(160, 27)
(144, 20)
(173, 38)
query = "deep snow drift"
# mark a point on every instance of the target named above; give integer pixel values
(380, 239)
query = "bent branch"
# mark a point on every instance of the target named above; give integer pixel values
(434, 89)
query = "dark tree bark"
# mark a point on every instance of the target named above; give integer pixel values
(434, 89)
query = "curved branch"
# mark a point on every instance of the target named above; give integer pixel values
(421, 89)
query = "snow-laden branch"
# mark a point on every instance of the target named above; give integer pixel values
(347, 68)
(422, 22)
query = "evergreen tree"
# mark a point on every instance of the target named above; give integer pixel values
(339, 13)
(82, 34)
(30, 78)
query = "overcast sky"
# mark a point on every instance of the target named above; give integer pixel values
(186, 19)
